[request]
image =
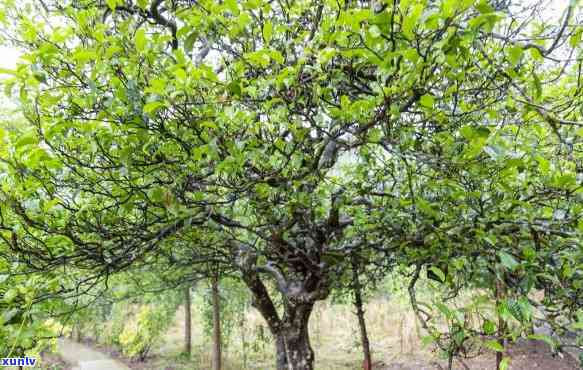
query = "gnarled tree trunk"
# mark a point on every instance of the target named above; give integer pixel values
(292, 341)
(280, 354)
(295, 334)
(300, 288)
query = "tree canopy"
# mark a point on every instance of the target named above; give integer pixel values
(279, 140)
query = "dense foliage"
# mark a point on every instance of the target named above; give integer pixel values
(280, 141)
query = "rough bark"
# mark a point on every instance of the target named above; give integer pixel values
(292, 342)
(187, 322)
(216, 357)
(299, 290)
(280, 354)
(298, 351)
(357, 289)
(261, 300)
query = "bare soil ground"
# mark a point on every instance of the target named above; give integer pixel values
(525, 355)
(52, 361)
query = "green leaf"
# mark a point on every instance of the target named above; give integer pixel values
(83, 56)
(489, 327)
(507, 260)
(437, 271)
(374, 31)
(410, 20)
(258, 58)
(484, 7)
(140, 39)
(36, 157)
(470, 132)
(566, 181)
(267, 31)
(577, 326)
(152, 107)
(8, 315)
(494, 345)
(514, 54)
(276, 56)
(449, 7)
(234, 88)
(189, 42)
(427, 101)
(427, 340)
(143, 4)
(575, 39)
(180, 74)
(425, 206)
(5, 71)
(26, 139)
(252, 4)
(10, 295)
(157, 194)
(537, 85)
(112, 4)
(444, 309)
(536, 54)
(232, 5)
(157, 86)
(467, 132)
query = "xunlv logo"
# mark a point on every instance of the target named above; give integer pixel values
(18, 361)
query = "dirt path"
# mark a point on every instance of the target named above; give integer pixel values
(83, 357)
